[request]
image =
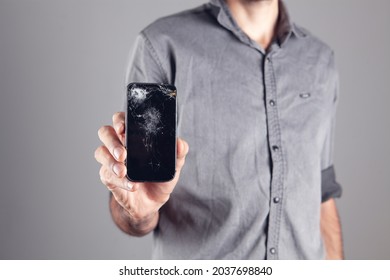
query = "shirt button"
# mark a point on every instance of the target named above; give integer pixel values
(272, 102)
(269, 59)
(276, 199)
(275, 148)
(272, 251)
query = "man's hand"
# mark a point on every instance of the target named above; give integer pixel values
(134, 205)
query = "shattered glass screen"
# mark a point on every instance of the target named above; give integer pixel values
(151, 132)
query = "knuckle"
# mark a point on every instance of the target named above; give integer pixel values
(98, 152)
(117, 117)
(110, 186)
(108, 175)
(105, 175)
(101, 173)
(103, 130)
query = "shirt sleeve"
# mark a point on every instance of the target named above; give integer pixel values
(330, 188)
(143, 64)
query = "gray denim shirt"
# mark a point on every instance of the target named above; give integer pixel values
(260, 128)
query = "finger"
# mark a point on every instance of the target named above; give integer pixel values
(104, 157)
(182, 148)
(110, 139)
(118, 121)
(182, 151)
(113, 183)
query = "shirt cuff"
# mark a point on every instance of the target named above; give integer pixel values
(329, 186)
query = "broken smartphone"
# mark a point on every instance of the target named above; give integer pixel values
(151, 132)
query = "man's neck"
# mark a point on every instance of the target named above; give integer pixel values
(257, 18)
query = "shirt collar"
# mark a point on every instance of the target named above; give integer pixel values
(284, 27)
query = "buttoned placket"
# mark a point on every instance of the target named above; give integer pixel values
(274, 134)
(275, 148)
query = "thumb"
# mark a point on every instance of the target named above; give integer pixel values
(182, 151)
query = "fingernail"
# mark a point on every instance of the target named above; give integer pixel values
(130, 186)
(116, 169)
(117, 153)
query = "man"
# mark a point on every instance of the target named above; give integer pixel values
(256, 102)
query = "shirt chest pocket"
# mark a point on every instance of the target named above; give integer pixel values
(305, 95)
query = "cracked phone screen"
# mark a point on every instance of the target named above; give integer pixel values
(151, 132)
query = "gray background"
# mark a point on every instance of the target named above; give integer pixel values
(61, 78)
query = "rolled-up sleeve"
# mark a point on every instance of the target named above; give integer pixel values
(330, 188)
